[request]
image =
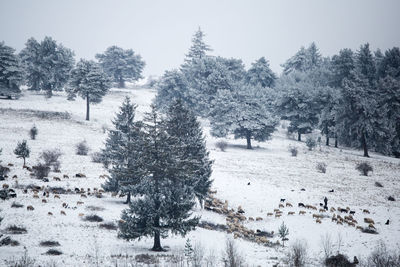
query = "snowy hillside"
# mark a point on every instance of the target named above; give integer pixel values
(254, 179)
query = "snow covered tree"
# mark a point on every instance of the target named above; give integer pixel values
(261, 74)
(22, 150)
(390, 64)
(358, 116)
(89, 82)
(303, 60)
(199, 48)
(342, 66)
(172, 85)
(283, 232)
(166, 199)
(186, 134)
(123, 150)
(297, 102)
(328, 101)
(10, 70)
(47, 65)
(31, 59)
(244, 112)
(121, 64)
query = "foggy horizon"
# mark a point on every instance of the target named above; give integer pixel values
(161, 31)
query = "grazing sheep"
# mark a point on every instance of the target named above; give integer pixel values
(80, 175)
(321, 210)
(5, 186)
(291, 213)
(35, 196)
(302, 212)
(369, 220)
(318, 221)
(334, 219)
(259, 219)
(371, 225)
(352, 212)
(301, 205)
(277, 215)
(281, 206)
(56, 178)
(332, 209)
(62, 212)
(83, 196)
(57, 196)
(351, 224)
(101, 191)
(366, 211)
(339, 222)
(316, 216)
(276, 210)
(289, 204)
(44, 201)
(81, 214)
(343, 210)
(79, 203)
(270, 214)
(50, 213)
(251, 219)
(30, 207)
(11, 165)
(15, 176)
(65, 205)
(283, 199)
(359, 227)
(65, 176)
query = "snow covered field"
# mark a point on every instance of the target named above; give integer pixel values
(255, 179)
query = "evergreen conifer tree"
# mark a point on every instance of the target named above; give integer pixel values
(261, 74)
(199, 48)
(166, 199)
(185, 133)
(89, 82)
(123, 152)
(22, 150)
(10, 70)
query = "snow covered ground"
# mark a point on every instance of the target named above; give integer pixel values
(269, 168)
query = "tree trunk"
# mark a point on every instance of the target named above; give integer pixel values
(327, 136)
(364, 145)
(121, 83)
(24, 161)
(248, 137)
(157, 241)
(128, 198)
(336, 141)
(298, 136)
(87, 106)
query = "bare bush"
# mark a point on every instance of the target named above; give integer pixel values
(41, 170)
(82, 148)
(293, 150)
(338, 260)
(364, 168)
(297, 254)
(4, 171)
(16, 230)
(311, 143)
(97, 157)
(327, 245)
(51, 158)
(321, 167)
(53, 252)
(222, 145)
(16, 205)
(146, 259)
(231, 256)
(108, 226)
(93, 218)
(23, 261)
(381, 257)
(49, 243)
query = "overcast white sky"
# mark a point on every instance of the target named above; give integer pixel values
(161, 30)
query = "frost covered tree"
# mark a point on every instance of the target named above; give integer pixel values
(297, 102)
(261, 74)
(305, 59)
(358, 115)
(199, 48)
(123, 150)
(121, 64)
(166, 199)
(342, 66)
(89, 82)
(186, 134)
(47, 65)
(171, 86)
(11, 74)
(245, 112)
(22, 150)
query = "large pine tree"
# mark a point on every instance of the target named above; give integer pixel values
(89, 82)
(166, 199)
(199, 48)
(171, 86)
(261, 74)
(122, 154)
(186, 134)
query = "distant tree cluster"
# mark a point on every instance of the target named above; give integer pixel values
(352, 97)
(49, 66)
(236, 101)
(162, 161)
